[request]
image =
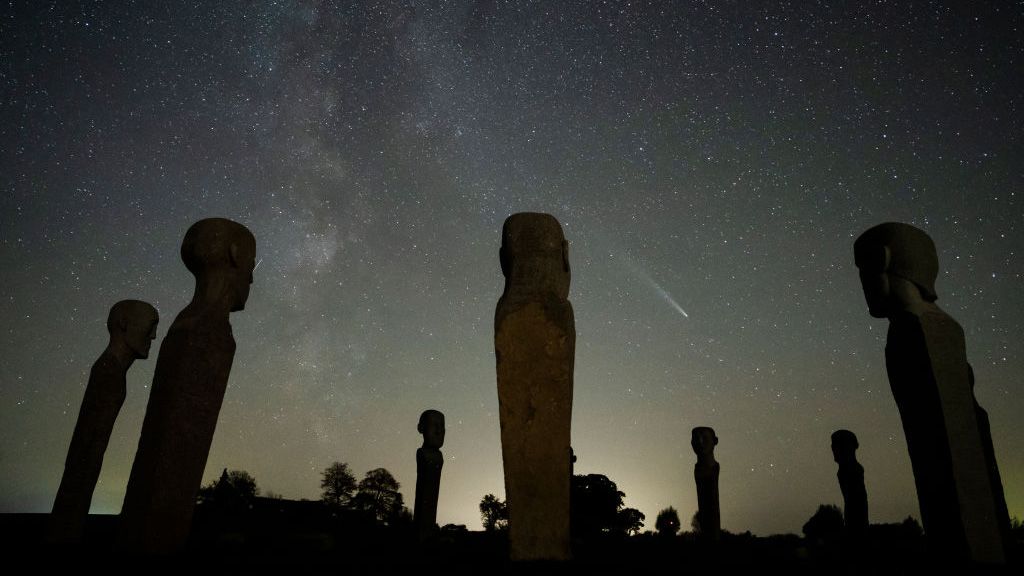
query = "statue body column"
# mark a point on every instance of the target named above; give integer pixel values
(132, 327)
(534, 342)
(429, 461)
(851, 482)
(188, 388)
(705, 475)
(930, 379)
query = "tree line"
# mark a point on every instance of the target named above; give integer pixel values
(596, 504)
(377, 494)
(596, 508)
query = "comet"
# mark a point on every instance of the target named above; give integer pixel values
(666, 297)
(663, 293)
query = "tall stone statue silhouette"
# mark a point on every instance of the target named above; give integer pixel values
(851, 482)
(928, 372)
(188, 387)
(984, 428)
(429, 461)
(132, 328)
(705, 475)
(534, 345)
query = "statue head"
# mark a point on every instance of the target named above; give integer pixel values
(897, 264)
(703, 441)
(133, 324)
(431, 425)
(844, 446)
(534, 254)
(221, 254)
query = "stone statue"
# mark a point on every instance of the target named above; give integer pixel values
(928, 372)
(851, 482)
(132, 327)
(188, 388)
(1002, 513)
(429, 461)
(534, 345)
(705, 474)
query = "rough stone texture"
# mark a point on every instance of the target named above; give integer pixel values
(929, 376)
(188, 387)
(851, 482)
(535, 342)
(705, 475)
(132, 326)
(429, 461)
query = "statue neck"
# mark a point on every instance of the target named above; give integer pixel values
(213, 295)
(706, 459)
(844, 461)
(119, 349)
(906, 297)
(537, 277)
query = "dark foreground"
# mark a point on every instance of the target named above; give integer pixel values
(286, 542)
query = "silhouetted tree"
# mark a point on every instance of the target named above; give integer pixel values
(234, 491)
(402, 518)
(630, 521)
(906, 531)
(825, 525)
(378, 494)
(912, 529)
(338, 484)
(454, 529)
(667, 522)
(238, 481)
(595, 503)
(494, 513)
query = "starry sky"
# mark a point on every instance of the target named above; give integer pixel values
(711, 164)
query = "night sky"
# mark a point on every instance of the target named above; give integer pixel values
(711, 164)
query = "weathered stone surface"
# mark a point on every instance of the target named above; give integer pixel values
(929, 376)
(188, 387)
(132, 326)
(535, 342)
(429, 462)
(851, 482)
(705, 475)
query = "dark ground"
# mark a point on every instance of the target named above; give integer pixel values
(307, 540)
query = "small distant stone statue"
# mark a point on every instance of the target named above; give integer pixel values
(534, 344)
(705, 474)
(851, 482)
(188, 387)
(429, 461)
(929, 376)
(132, 327)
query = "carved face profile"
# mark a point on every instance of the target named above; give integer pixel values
(431, 425)
(134, 321)
(140, 335)
(873, 263)
(225, 250)
(243, 262)
(894, 250)
(703, 441)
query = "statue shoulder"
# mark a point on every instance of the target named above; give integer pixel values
(935, 319)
